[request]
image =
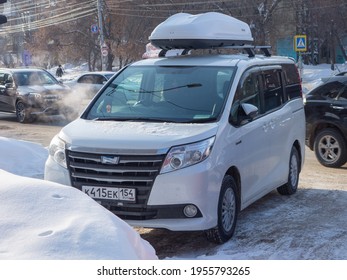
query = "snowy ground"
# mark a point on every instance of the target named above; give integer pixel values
(43, 220)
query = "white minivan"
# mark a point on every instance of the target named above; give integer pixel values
(186, 142)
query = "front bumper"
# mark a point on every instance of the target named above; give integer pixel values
(196, 185)
(48, 105)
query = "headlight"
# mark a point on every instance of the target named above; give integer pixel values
(57, 151)
(187, 155)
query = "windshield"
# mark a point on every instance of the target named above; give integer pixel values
(31, 78)
(164, 94)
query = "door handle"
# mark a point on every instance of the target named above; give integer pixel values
(338, 107)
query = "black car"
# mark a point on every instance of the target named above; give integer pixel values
(326, 121)
(33, 92)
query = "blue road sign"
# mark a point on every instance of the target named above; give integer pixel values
(94, 28)
(300, 43)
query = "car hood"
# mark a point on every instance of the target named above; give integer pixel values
(43, 89)
(132, 137)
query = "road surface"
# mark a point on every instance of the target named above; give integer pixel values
(303, 217)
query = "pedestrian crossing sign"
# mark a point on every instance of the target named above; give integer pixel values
(300, 43)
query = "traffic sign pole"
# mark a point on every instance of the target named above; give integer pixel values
(101, 32)
(300, 45)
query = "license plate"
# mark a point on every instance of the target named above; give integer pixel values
(123, 194)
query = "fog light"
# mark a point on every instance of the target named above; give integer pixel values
(190, 211)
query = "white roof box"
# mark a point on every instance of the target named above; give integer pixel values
(208, 30)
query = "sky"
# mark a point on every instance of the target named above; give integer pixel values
(41, 220)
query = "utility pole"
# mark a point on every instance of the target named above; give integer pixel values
(101, 33)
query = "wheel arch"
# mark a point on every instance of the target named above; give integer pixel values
(318, 128)
(297, 145)
(19, 99)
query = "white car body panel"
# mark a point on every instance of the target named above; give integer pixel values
(260, 150)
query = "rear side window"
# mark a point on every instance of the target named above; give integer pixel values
(291, 74)
(273, 90)
(292, 81)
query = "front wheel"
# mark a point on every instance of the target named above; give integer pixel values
(227, 212)
(330, 148)
(22, 113)
(293, 177)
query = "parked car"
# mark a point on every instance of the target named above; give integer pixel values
(326, 121)
(185, 142)
(90, 83)
(30, 92)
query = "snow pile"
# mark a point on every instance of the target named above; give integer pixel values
(41, 220)
(22, 157)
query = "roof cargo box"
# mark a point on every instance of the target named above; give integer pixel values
(208, 30)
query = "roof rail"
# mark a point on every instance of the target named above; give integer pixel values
(251, 50)
(264, 49)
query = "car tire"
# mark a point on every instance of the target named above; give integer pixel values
(22, 113)
(293, 177)
(227, 212)
(330, 148)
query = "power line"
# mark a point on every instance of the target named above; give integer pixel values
(65, 11)
(135, 12)
(60, 15)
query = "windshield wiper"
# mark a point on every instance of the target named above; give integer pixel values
(151, 119)
(200, 120)
(136, 119)
(172, 88)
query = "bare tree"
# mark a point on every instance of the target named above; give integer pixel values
(128, 24)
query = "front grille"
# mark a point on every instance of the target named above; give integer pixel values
(49, 99)
(131, 171)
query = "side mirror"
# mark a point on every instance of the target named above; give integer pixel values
(242, 113)
(250, 110)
